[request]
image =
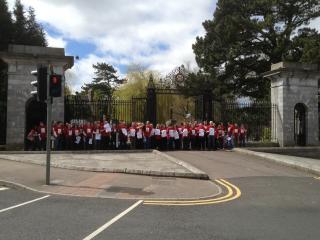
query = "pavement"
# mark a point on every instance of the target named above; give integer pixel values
(153, 163)
(103, 185)
(305, 164)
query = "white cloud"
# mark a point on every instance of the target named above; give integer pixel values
(155, 33)
(57, 42)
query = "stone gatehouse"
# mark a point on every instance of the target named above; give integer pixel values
(19, 110)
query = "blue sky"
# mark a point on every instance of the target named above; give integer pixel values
(157, 34)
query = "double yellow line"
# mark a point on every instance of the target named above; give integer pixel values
(232, 193)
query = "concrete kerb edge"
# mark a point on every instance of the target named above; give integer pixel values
(189, 167)
(271, 158)
(191, 175)
(79, 152)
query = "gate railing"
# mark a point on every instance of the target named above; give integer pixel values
(82, 109)
(255, 116)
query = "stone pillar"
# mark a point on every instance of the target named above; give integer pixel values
(21, 61)
(151, 102)
(291, 84)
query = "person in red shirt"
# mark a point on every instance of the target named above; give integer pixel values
(157, 137)
(171, 131)
(98, 128)
(139, 134)
(58, 134)
(69, 136)
(242, 136)
(193, 136)
(164, 137)
(236, 132)
(32, 136)
(78, 143)
(42, 130)
(132, 134)
(147, 134)
(211, 131)
(113, 139)
(230, 129)
(185, 137)
(123, 135)
(88, 133)
(106, 135)
(201, 134)
(220, 136)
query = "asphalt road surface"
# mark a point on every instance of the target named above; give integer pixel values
(276, 202)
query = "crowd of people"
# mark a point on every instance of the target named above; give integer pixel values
(104, 135)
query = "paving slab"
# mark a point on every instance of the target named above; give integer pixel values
(142, 163)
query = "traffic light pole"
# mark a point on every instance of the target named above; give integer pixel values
(49, 113)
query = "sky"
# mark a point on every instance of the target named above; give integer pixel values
(156, 34)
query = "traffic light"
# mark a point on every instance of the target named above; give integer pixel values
(55, 85)
(40, 83)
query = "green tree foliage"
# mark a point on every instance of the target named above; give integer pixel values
(6, 26)
(20, 27)
(246, 37)
(305, 47)
(105, 81)
(35, 32)
(136, 86)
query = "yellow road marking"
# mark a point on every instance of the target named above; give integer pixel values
(233, 192)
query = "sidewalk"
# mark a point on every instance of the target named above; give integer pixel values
(153, 163)
(103, 185)
(305, 164)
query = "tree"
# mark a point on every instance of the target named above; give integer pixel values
(20, 24)
(246, 37)
(6, 28)
(105, 81)
(136, 86)
(305, 47)
(35, 32)
(27, 30)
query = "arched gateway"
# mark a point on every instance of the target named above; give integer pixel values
(300, 124)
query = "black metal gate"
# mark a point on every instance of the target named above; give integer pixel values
(255, 116)
(171, 104)
(80, 108)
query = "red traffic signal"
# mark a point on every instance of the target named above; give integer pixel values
(55, 85)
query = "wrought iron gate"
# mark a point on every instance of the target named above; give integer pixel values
(79, 108)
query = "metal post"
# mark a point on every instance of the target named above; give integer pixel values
(49, 111)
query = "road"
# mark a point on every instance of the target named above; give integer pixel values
(276, 202)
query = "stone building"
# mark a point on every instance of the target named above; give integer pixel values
(295, 93)
(19, 110)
